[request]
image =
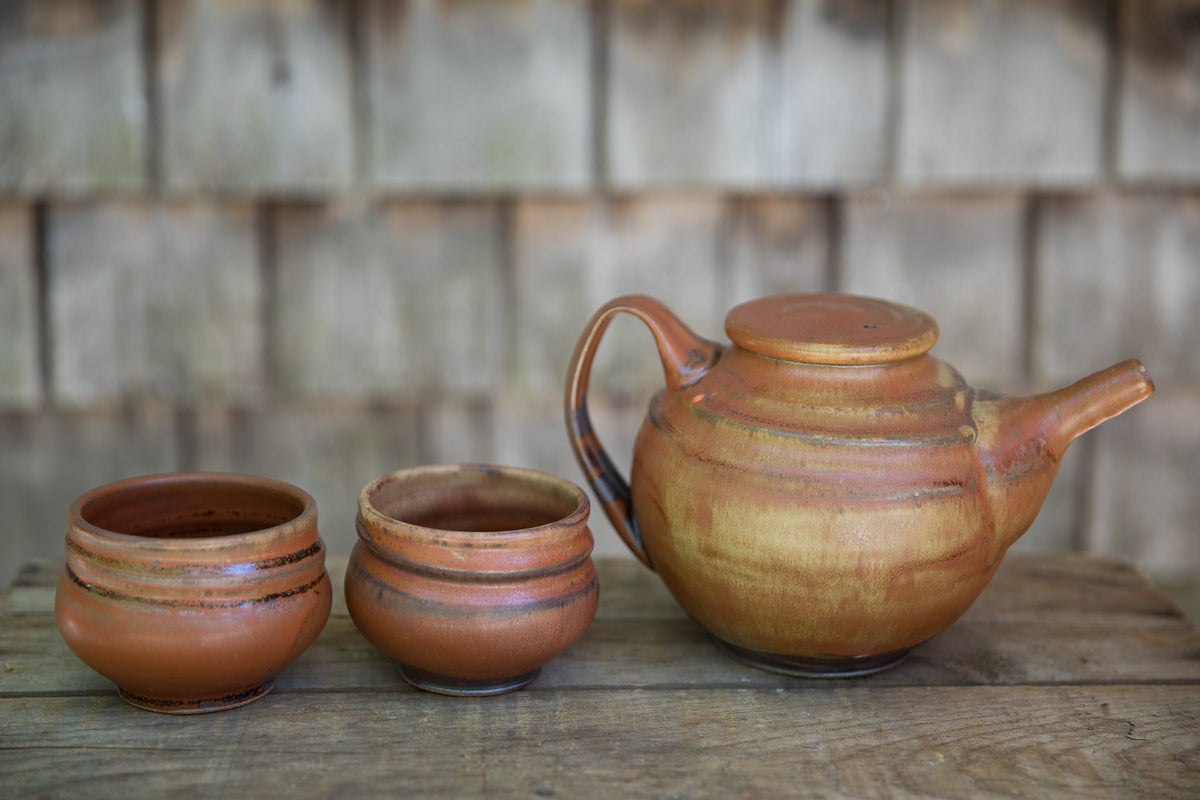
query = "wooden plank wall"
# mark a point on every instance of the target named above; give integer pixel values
(324, 240)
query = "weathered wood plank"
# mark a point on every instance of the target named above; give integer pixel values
(686, 90)
(1145, 506)
(364, 290)
(1100, 741)
(32, 587)
(73, 114)
(1069, 589)
(1118, 276)
(556, 243)
(656, 654)
(780, 245)
(1159, 122)
(471, 95)
(20, 379)
(958, 257)
(256, 96)
(454, 432)
(829, 126)
(996, 91)
(160, 300)
(747, 94)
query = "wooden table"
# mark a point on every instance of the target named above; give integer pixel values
(1069, 677)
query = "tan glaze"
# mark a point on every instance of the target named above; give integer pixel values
(822, 495)
(472, 576)
(191, 592)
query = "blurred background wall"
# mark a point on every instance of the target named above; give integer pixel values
(325, 240)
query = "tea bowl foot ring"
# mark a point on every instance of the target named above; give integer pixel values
(199, 706)
(806, 667)
(464, 687)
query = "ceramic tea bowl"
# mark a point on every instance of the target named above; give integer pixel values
(191, 591)
(471, 576)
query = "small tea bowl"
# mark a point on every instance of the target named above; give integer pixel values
(191, 591)
(471, 576)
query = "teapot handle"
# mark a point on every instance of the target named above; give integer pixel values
(685, 358)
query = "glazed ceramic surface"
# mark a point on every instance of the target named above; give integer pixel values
(472, 576)
(822, 494)
(192, 591)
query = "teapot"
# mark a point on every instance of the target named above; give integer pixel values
(822, 495)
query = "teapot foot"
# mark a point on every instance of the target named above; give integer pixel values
(814, 667)
(463, 687)
(202, 705)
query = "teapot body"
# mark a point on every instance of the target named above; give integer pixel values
(822, 494)
(831, 516)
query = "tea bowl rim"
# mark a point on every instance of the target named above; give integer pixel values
(300, 522)
(577, 517)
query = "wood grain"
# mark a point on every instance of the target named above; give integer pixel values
(779, 245)
(828, 125)
(1132, 259)
(1146, 478)
(1000, 91)
(360, 285)
(686, 88)
(255, 96)
(779, 95)
(1070, 677)
(19, 376)
(1159, 106)
(956, 257)
(478, 96)
(1100, 741)
(154, 300)
(73, 117)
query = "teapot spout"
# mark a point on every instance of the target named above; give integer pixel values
(1022, 439)
(1086, 403)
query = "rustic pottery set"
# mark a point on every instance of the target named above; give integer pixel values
(821, 495)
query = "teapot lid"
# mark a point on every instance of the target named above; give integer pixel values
(831, 328)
